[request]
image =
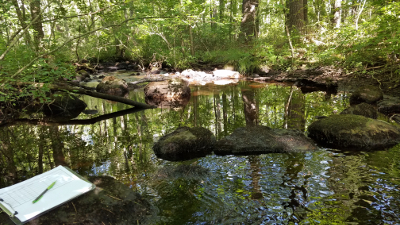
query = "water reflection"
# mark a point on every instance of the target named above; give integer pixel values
(323, 187)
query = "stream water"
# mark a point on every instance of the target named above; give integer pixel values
(327, 186)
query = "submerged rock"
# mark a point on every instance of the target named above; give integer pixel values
(189, 172)
(368, 94)
(110, 203)
(362, 109)
(252, 140)
(185, 143)
(64, 106)
(113, 86)
(348, 131)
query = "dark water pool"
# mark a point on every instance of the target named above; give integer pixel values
(323, 187)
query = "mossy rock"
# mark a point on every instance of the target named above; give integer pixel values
(368, 94)
(347, 131)
(254, 140)
(65, 106)
(363, 109)
(185, 143)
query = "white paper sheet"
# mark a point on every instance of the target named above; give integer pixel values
(19, 197)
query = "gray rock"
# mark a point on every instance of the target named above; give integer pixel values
(362, 109)
(355, 132)
(253, 140)
(113, 86)
(185, 143)
(368, 94)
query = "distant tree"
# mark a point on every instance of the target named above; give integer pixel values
(248, 26)
(22, 19)
(337, 13)
(37, 26)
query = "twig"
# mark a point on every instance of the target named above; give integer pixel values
(114, 197)
(290, 43)
(147, 80)
(108, 210)
(74, 208)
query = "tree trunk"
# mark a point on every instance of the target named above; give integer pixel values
(22, 18)
(337, 12)
(305, 12)
(248, 26)
(295, 16)
(221, 10)
(37, 26)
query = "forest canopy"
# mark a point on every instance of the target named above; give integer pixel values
(41, 39)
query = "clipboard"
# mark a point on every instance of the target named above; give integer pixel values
(17, 200)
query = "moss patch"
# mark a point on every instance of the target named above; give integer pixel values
(354, 131)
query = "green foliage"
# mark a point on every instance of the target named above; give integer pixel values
(183, 34)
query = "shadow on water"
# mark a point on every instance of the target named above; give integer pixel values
(324, 187)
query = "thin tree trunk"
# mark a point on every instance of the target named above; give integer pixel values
(359, 13)
(221, 10)
(337, 11)
(37, 26)
(22, 18)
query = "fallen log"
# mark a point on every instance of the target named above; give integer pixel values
(79, 90)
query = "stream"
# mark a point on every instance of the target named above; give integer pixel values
(327, 186)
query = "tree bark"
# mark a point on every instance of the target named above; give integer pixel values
(221, 10)
(295, 16)
(305, 11)
(37, 25)
(337, 12)
(248, 26)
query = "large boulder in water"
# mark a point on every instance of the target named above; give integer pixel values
(113, 86)
(368, 94)
(362, 109)
(64, 106)
(185, 143)
(253, 140)
(348, 131)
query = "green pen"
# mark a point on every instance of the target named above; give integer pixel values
(40, 196)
